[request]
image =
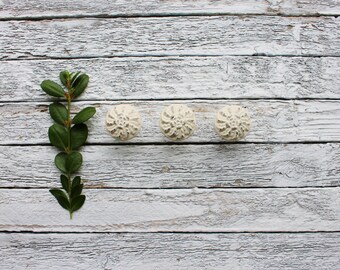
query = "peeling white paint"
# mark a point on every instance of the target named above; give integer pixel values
(169, 251)
(183, 77)
(148, 7)
(147, 188)
(195, 35)
(215, 210)
(272, 120)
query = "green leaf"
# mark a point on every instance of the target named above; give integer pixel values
(73, 162)
(68, 163)
(58, 192)
(64, 182)
(76, 190)
(80, 84)
(77, 202)
(63, 202)
(58, 136)
(58, 112)
(84, 115)
(53, 89)
(60, 161)
(74, 77)
(76, 181)
(78, 136)
(64, 76)
(61, 198)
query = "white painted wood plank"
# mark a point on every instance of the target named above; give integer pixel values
(39, 8)
(212, 35)
(189, 210)
(179, 166)
(178, 77)
(272, 120)
(154, 251)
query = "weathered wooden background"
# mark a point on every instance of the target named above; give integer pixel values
(271, 201)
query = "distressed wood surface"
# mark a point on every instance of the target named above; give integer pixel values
(184, 210)
(57, 8)
(181, 52)
(178, 77)
(165, 205)
(154, 251)
(272, 121)
(157, 36)
(173, 166)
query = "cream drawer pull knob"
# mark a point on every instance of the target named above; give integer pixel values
(232, 123)
(123, 122)
(177, 122)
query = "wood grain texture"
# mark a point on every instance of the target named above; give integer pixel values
(189, 210)
(154, 251)
(39, 8)
(206, 198)
(173, 166)
(272, 121)
(178, 77)
(212, 35)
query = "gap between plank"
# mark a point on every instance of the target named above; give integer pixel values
(182, 188)
(181, 143)
(44, 57)
(28, 101)
(164, 15)
(173, 232)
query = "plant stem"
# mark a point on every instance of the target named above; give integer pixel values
(68, 123)
(69, 150)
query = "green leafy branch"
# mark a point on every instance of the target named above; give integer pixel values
(69, 135)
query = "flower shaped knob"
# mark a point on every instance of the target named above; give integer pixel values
(232, 123)
(177, 122)
(123, 122)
